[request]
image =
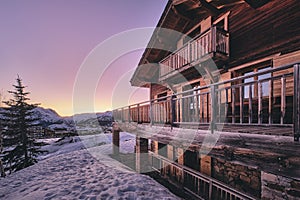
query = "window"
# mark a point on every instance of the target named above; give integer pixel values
(161, 95)
(192, 104)
(247, 87)
(265, 85)
(254, 87)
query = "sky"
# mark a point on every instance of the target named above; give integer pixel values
(47, 42)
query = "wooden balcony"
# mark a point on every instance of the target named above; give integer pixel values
(212, 44)
(229, 104)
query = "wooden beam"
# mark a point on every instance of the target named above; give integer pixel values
(177, 2)
(210, 8)
(256, 3)
(177, 12)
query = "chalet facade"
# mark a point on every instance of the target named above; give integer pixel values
(242, 48)
(235, 66)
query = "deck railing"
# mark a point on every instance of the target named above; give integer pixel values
(214, 40)
(203, 187)
(273, 100)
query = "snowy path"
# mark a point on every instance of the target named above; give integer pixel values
(78, 175)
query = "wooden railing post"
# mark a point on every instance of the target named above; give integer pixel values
(129, 114)
(226, 106)
(138, 113)
(260, 106)
(210, 190)
(227, 45)
(213, 107)
(270, 101)
(214, 38)
(173, 111)
(283, 99)
(241, 104)
(233, 105)
(296, 102)
(151, 113)
(250, 117)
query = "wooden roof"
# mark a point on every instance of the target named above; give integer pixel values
(180, 16)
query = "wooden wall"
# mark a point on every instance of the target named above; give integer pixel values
(156, 89)
(256, 33)
(285, 60)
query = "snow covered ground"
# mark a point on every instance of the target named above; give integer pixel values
(70, 171)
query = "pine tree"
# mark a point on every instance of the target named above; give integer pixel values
(2, 173)
(20, 148)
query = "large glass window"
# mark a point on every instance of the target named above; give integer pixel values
(254, 87)
(265, 84)
(247, 87)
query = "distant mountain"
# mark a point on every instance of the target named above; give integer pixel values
(49, 118)
(92, 119)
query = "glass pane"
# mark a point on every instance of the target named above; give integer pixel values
(246, 88)
(265, 85)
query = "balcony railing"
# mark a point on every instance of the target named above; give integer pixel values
(202, 186)
(213, 43)
(231, 102)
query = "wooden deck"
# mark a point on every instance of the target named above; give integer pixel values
(216, 104)
(263, 147)
(251, 129)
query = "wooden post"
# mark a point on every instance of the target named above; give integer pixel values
(138, 113)
(213, 108)
(283, 100)
(207, 107)
(151, 113)
(173, 111)
(220, 106)
(142, 161)
(233, 105)
(296, 102)
(202, 108)
(250, 118)
(241, 104)
(270, 101)
(129, 114)
(260, 107)
(116, 139)
(214, 39)
(210, 190)
(226, 106)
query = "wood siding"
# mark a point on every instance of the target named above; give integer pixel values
(156, 89)
(256, 33)
(284, 60)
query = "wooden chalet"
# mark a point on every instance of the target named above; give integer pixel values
(226, 66)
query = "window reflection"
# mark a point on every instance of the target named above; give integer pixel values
(265, 84)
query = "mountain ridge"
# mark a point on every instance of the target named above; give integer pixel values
(49, 118)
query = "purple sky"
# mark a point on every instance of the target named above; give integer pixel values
(45, 42)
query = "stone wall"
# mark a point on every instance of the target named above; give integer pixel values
(243, 178)
(278, 187)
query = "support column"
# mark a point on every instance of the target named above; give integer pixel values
(154, 147)
(142, 160)
(116, 139)
(205, 164)
(180, 160)
(296, 102)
